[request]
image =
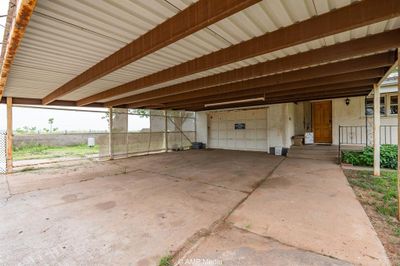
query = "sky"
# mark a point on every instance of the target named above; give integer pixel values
(65, 120)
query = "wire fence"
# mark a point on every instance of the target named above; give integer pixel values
(126, 133)
(3, 152)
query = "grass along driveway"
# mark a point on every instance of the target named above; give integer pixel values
(378, 195)
(43, 151)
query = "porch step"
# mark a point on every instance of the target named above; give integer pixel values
(315, 152)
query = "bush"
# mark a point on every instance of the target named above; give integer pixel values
(366, 157)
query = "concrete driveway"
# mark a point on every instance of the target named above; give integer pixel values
(228, 206)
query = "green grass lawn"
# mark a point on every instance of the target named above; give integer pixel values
(383, 189)
(378, 195)
(42, 151)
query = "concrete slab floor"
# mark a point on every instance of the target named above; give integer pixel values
(232, 246)
(124, 211)
(136, 210)
(131, 218)
(310, 205)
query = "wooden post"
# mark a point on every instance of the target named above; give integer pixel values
(377, 126)
(398, 135)
(166, 130)
(9, 165)
(110, 139)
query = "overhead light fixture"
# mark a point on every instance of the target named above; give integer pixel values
(347, 101)
(238, 101)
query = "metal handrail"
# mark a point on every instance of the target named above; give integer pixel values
(358, 135)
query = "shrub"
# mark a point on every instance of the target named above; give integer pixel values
(366, 157)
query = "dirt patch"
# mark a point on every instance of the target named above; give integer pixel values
(387, 227)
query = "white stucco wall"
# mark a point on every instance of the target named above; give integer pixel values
(280, 122)
(201, 127)
(287, 120)
(298, 118)
(353, 115)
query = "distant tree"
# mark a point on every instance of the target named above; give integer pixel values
(140, 112)
(51, 121)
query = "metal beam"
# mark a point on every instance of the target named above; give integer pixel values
(368, 11)
(358, 47)
(353, 65)
(390, 70)
(24, 14)
(278, 101)
(265, 85)
(30, 101)
(197, 16)
(340, 87)
(325, 89)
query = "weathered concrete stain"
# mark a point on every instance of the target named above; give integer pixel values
(106, 205)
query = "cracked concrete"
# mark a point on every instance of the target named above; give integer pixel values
(209, 204)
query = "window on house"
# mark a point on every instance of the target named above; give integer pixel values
(369, 106)
(393, 104)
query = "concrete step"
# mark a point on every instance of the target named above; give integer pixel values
(315, 152)
(315, 147)
(313, 156)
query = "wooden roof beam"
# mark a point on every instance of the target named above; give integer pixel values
(346, 18)
(197, 16)
(358, 47)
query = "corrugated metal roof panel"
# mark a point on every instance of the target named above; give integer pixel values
(64, 38)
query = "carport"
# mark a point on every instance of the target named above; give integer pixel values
(181, 59)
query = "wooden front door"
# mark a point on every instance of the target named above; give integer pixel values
(322, 121)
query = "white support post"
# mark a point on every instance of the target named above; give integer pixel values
(166, 130)
(110, 139)
(9, 159)
(398, 136)
(377, 126)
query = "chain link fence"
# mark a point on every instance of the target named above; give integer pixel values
(3, 152)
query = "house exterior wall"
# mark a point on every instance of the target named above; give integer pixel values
(354, 115)
(283, 121)
(275, 128)
(202, 127)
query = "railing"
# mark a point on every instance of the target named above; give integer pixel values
(363, 136)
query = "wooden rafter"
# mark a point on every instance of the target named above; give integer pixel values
(358, 47)
(368, 11)
(197, 16)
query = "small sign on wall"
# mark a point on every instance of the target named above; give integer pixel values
(240, 126)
